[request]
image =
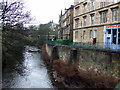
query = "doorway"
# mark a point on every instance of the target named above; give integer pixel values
(114, 36)
(118, 36)
(75, 56)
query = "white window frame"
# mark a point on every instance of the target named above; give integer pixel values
(115, 1)
(76, 11)
(92, 19)
(103, 3)
(85, 8)
(84, 34)
(92, 5)
(103, 17)
(95, 34)
(84, 20)
(114, 15)
(91, 34)
(76, 34)
(76, 23)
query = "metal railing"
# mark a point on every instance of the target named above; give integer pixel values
(89, 45)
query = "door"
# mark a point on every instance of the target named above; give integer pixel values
(94, 37)
(114, 36)
(118, 36)
(108, 42)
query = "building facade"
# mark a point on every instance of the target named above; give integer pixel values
(97, 21)
(66, 24)
(0, 16)
(53, 32)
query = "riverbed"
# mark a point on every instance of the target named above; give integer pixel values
(30, 73)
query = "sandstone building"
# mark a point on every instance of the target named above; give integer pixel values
(65, 30)
(97, 21)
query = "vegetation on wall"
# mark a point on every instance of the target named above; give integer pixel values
(75, 77)
(64, 41)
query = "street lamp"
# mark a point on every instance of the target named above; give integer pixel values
(54, 34)
(53, 30)
(48, 35)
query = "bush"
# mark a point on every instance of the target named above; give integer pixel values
(45, 55)
(55, 37)
(64, 41)
(79, 77)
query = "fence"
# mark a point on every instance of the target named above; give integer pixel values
(98, 45)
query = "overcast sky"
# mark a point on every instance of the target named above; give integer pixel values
(46, 10)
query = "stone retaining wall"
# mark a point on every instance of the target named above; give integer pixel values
(100, 60)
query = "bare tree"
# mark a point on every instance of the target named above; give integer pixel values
(12, 13)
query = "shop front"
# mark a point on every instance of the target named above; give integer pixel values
(112, 36)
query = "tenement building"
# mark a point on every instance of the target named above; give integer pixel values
(97, 21)
(65, 30)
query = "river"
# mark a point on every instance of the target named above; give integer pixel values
(30, 73)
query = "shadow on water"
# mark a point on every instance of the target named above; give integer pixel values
(29, 73)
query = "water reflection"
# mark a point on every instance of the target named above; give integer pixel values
(31, 73)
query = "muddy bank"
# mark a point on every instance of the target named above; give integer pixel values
(73, 77)
(47, 62)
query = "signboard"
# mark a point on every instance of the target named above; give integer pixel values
(113, 26)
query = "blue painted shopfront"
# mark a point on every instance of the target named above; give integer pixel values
(112, 36)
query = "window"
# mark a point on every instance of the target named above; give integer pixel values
(76, 11)
(108, 31)
(67, 36)
(95, 33)
(76, 23)
(76, 35)
(81, 23)
(103, 3)
(84, 21)
(68, 12)
(67, 30)
(103, 17)
(84, 35)
(90, 34)
(79, 10)
(85, 8)
(114, 38)
(114, 15)
(67, 21)
(92, 5)
(115, 1)
(92, 19)
(118, 36)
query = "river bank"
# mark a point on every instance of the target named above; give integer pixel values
(73, 77)
(56, 79)
(47, 62)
